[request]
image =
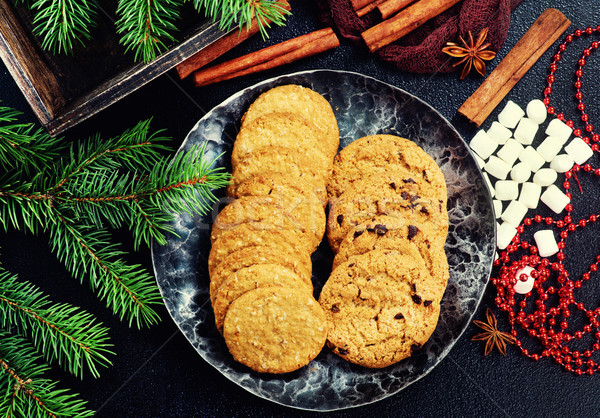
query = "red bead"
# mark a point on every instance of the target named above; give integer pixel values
(549, 220)
(597, 171)
(589, 30)
(581, 106)
(578, 84)
(569, 207)
(587, 52)
(593, 267)
(577, 132)
(576, 168)
(577, 32)
(585, 117)
(546, 101)
(550, 110)
(579, 72)
(560, 116)
(548, 91)
(560, 224)
(560, 245)
(564, 234)
(568, 174)
(569, 123)
(593, 218)
(569, 38)
(586, 139)
(567, 185)
(537, 218)
(581, 62)
(595, 147)
(571, 227)
(582, 223)
(579, 95)
(589, 127)
(595, 44)
(595, 137)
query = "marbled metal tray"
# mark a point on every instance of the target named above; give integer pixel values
(363, 106)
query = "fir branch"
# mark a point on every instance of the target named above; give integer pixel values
(22, 147)
(61, 23)
(27, 392)
(61, 332)
(146, 25)
(128, 290)
(241, 12)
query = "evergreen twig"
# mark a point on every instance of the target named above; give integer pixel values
(61, 23)
(26, 393)
(61, 332)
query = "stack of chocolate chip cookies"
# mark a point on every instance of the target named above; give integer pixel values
(259, 265)
(387, 225)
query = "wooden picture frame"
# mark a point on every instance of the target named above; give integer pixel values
(47, 81)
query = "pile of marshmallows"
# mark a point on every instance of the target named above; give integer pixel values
(498, 149)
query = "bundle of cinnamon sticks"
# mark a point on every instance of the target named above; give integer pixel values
(261, 60)
(410, 14)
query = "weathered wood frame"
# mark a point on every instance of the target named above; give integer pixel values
(27, 65)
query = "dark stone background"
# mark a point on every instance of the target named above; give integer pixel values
(156, 372)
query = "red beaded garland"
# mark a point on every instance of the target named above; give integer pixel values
(545, 314)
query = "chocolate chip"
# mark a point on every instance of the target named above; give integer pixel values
(270, 191)
(417, 299)
(414, 347)
(424, 210)
(335, 309)
(399, 316)
(370, 230)
(380, 229)
(409, 180)
(376, 317)
(425, 175)
(405, 195)
(413, 287)
(393, 186)
(427, 303)
(358, 234)
(412, 231)
(343, 352)
(340, 219)
(351, 265)
(415, 197)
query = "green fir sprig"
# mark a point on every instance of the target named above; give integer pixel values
(24, 390)
(146, 27)
(76, 194)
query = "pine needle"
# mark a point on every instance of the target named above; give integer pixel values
(26, 392)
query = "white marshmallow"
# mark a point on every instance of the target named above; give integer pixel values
(545, 242)
(506, 190)
(504, 235)
(530, 195)
(520, 173)
(497, 207)
(511, 115)
(562, 163)
(480, 162)
(559, 129)
(579, 150)
(545, 177)
(526, 131)
(514, 213)
(555, 199)
(497, 168)
(531, 157)
(510, 151)
(483, 145)
(523, 287)
(536, 111)
(489, 184)
(549, 148)
(499, 133)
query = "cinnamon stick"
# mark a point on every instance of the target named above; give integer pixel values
(389, 7)
(404, 22)
(270, 57)
(220, 46)
(538, 38)
(359, 4)
(369, 8)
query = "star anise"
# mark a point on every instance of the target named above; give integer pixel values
(472, 53)
(491, 335)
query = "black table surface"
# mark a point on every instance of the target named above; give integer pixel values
(156, 372)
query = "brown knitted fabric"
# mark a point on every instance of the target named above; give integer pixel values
(421, 50)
